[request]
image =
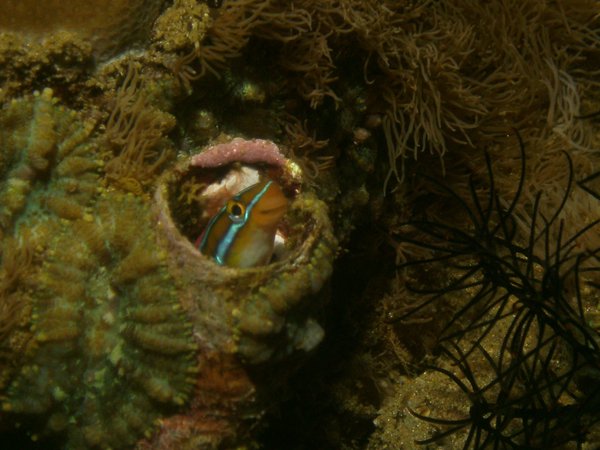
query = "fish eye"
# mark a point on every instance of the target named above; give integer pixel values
(235, 211)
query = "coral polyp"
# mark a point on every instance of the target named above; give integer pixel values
(108, 348)
(105, 298)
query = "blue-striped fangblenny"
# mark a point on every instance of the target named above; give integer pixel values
(242, 233)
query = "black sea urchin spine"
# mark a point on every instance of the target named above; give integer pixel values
(523, 290)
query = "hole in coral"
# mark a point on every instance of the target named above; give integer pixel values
(198, 194)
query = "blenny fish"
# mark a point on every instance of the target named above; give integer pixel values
(242, 233)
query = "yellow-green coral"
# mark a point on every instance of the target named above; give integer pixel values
(108, 349)
(15, 307)
(33, 134)
(115, 317)
(132, 359)
(182, 25)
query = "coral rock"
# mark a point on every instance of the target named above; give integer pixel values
(110, 25)
(115, 331)
(247, 323)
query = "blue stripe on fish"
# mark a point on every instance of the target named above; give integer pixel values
(229, 238)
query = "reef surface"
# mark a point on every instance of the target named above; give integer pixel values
(436, 278)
